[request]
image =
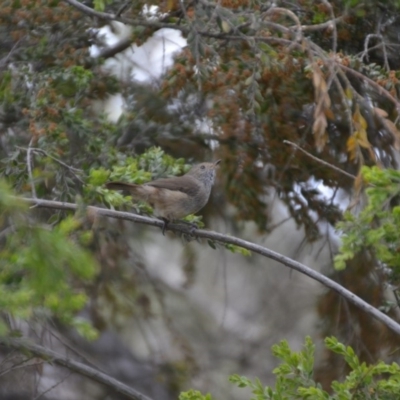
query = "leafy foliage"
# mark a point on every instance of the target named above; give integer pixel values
(194, 395)
(43, 272)
(294, 376)
(376, 227)
(152, 164)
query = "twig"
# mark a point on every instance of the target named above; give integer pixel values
(290, 14)
(333, 24)
(29, 166)
(62, 163)
(319, 160)
(56, 160)
(55, 358)
(21, 364)
(324, 25)
(365, 52)
(49, 389)
(221, 238)
(122, 8)
(5, 59)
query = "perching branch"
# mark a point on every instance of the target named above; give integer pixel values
(221, 238)
(55, 358)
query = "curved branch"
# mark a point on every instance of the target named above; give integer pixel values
(158, 25)
(219, 237)
(130, 21)
(325, 25)
(76, 366)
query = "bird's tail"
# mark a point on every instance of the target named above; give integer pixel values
(138, 192)
(127, 187)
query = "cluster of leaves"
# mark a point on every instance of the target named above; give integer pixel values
(294, 377)
(33, 24)
(367, 264)
(52, 115)
(377, 226)
(148, 166)
(44, 272)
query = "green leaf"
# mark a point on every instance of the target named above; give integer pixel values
(211, 244)
(238, 249)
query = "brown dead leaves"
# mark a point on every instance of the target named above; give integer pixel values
(322, 109)
(359, 138)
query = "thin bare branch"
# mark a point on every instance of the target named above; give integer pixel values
(73, 170)
(290, 14)
(58, 383)
(332, 24)
(25, 363)
(366, 49)
(324, 25)
(5, 59)
(319, 160)
(226, 239)
(51, 356)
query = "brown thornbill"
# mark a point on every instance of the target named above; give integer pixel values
(177, 197)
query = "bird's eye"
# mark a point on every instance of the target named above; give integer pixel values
(203, 167)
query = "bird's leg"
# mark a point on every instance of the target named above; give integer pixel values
(193, 227)
(166, 222)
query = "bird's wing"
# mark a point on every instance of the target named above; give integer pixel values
(185, 184)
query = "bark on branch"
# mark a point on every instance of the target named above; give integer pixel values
(226, 239)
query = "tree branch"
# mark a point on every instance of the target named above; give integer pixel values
(219, 237)
(158, 25)
(325, 25)
(109, 52)
(380, 89)
(51, 356)
(130, 21)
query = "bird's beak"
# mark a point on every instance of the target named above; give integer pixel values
(217, 162)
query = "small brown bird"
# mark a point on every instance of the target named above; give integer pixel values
(177, 197)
